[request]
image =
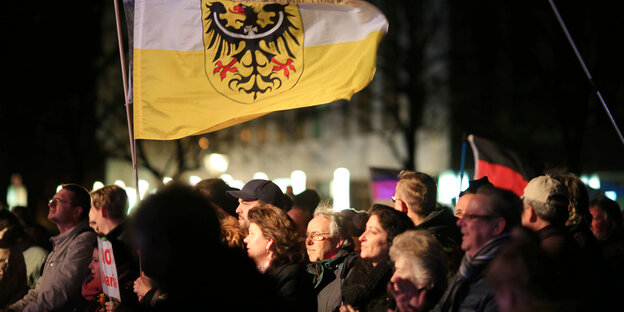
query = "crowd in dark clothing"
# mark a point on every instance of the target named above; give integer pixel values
(214, 247)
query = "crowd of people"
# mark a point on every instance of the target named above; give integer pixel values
(217, 248)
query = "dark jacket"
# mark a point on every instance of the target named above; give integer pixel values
(294, 286)
(365, 288)
(127, 266)
(571, 266)
(475, 296)
(328, 277)
(443, 225)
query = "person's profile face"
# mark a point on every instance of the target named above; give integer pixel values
(599, 225)
(243, 209)
(403, 270)
(320, 245)
(95, 217)
(374, 241)
(477, 225)
(462, 202)
(61, 210)
(257, 244)
(94, 265)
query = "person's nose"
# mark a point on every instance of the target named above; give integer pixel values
(393, 278)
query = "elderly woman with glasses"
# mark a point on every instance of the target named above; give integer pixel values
(365, 288)
(274, 244)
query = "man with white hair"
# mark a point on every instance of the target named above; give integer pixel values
(330, 250)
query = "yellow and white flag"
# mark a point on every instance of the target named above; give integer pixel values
(200, 66)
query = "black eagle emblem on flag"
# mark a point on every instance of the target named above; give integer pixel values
(252, 50)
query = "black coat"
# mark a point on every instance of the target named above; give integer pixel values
(293, 284)
(365, 288)
(443, 225)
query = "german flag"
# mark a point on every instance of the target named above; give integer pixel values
(503, 167)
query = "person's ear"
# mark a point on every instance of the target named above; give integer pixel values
(532, 214)
(104, 212)
(500, 226)
(78, 212)
(403, 207)
(340, 242)
(269, 244)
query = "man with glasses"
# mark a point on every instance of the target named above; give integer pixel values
(330, 250)
(485, 226)
(67, 265)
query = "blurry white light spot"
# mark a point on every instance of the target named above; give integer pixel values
(612, 195)
(58, 188)
(340, 188)
(143, 186)
(594, 182)
(97, 185)
(585, 179)
(120, 183)
(298, 180)
(132, 198)
(227, 178)
(194, 180)
(218, 162)
(283, 183)
(167, 180)
(261, 175)
(236, 184)
(465, 182)
(448, 187)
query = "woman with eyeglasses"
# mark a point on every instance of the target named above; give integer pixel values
(365, 289)
(278, 251)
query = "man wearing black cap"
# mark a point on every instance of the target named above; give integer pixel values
(254, 193)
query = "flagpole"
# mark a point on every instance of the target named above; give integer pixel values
(128, 114)
(127, 104)
(580, 59)
(463, 161)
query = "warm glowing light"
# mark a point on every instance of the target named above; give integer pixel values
(120, 183)
(143, 186)
(340, 188)
(298, 181)
(217, 162)
(283, 183)
(260, 175)
(203, 143)
(132, 198)
(97, 185)
(167, 180)
(194, 180)
(448, 187)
